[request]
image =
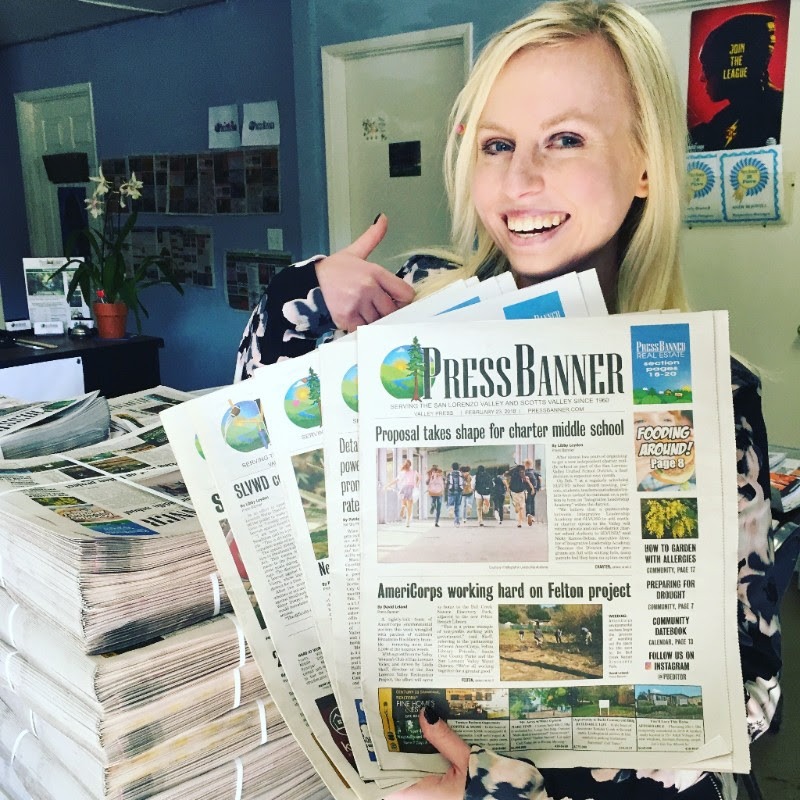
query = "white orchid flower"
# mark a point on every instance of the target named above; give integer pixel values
(102, 183)
(94, 206)
(132, 187)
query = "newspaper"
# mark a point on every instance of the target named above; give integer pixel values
(339, 381)
(104, 542)
(574, 635)
(33, 429)
(269, 478)
(47, 294)
(226, 533)
(256, 501)
(164, 766)
(271, 527)
(141, 409)
(45, 760)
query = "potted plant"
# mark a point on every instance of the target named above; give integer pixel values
(107, 277)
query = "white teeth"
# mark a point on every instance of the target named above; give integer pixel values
(521, 224)
(530, 224)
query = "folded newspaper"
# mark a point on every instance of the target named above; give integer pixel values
(34, 429)
(131, 412)
(165, 766)
(270, 771)
(576, 634)
(184, 680)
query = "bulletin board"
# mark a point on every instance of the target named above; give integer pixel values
(242, 181)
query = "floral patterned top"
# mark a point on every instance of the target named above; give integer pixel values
(292, 318)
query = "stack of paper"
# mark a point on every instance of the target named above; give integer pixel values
(570, 632)
(103, 542)
(33, 429)
(123, 675)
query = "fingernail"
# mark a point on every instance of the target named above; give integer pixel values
(431, 717)
(377, 218)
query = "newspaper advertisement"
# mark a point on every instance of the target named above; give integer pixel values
(571, 632)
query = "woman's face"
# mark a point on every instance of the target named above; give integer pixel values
(557, 167)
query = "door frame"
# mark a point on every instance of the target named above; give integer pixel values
(33, 171)
(334, 99)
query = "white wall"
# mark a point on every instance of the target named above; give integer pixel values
(752, 271)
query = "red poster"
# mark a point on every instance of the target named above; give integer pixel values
(737, 63)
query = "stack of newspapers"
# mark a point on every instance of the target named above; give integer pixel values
(32, 429)
(566, 624)
(124, 673)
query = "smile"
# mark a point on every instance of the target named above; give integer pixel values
(531, 225)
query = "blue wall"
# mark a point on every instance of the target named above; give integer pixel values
(153, 80)
(317, 23)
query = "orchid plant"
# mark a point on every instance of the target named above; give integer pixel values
(107, 273)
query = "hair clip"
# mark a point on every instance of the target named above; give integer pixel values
(459, 129)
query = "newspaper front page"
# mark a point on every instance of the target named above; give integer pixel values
(575, 631)
(339, 391)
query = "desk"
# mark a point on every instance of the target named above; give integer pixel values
(114, 366)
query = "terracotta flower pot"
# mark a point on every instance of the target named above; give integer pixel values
(111, 319)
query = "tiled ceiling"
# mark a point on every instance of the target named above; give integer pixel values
(33, 20)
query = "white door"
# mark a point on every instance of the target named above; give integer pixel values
(387, 102)
(58, 120)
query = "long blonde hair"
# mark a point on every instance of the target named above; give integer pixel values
(649, 274)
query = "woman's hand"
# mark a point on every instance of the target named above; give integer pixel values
(452, 784)
(358, 291)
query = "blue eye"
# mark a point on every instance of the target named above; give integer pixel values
(566, 140)
(495, 146)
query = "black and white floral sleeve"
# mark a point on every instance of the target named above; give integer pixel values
(759, 597)
(291, 317)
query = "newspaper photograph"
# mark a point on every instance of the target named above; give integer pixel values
(548, 603)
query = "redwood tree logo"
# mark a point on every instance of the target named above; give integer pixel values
(403, 371)
(302, 402)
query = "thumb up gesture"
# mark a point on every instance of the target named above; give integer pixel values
(358, 291)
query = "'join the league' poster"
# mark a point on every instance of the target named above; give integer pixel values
(737, 65)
